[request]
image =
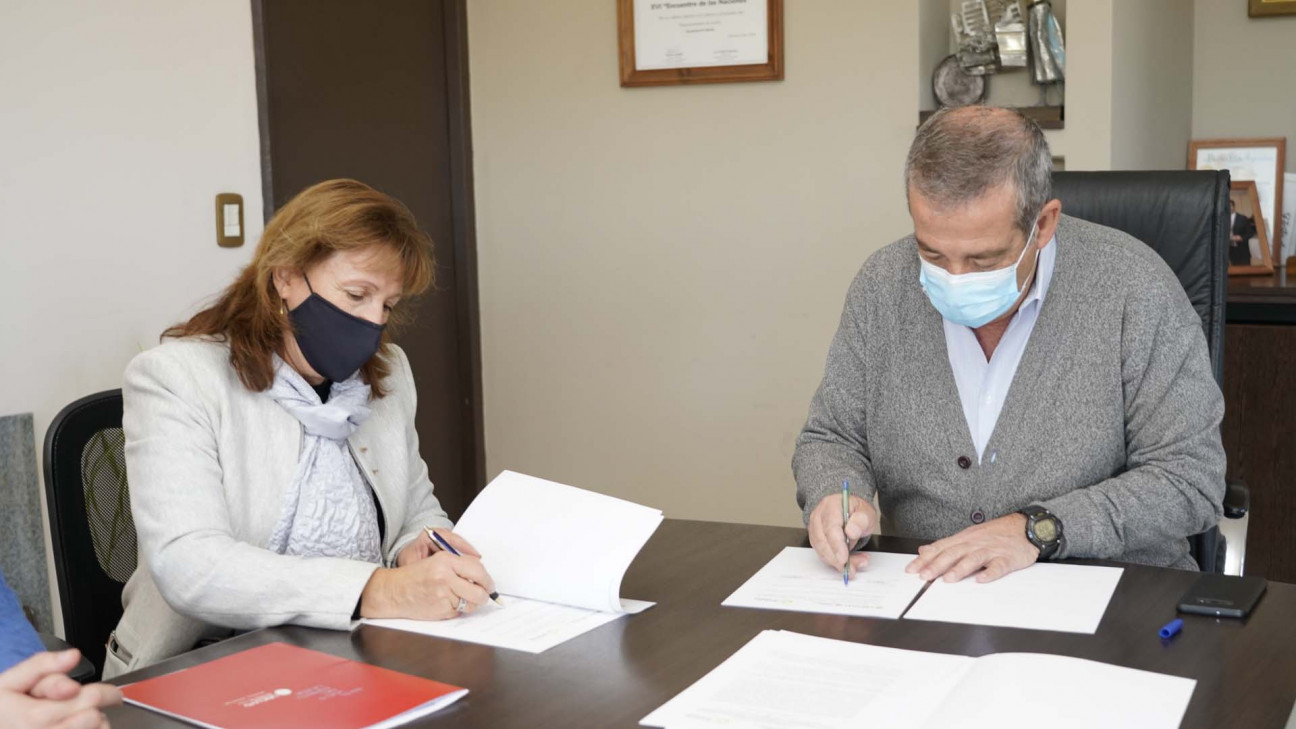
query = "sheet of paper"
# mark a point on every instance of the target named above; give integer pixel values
(1064, 597)
(1063, 693)
(684, 33)
(556, 543)
(797, 580)
(524, 625)
(783, 680)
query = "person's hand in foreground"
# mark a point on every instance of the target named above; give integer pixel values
(37, 694)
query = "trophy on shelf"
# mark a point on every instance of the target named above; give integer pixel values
(1048, 54)
(993, 36)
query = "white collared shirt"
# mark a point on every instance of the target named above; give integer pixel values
(983, 386)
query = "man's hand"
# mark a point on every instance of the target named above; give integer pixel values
(830, 542)
(37, 694)
(990, 550)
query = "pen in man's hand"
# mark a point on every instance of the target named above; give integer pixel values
(494, 596)
(845, 519)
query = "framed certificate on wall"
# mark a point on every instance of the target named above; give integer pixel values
(699, 41)
(1256, 160)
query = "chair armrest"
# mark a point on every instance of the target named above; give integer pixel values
(84, 672)
(1237, 499)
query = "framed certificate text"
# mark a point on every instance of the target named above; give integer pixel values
(699, 41)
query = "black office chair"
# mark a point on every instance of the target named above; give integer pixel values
(1184, 217)
(91, 527)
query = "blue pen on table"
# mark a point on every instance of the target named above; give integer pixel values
(845, 519)
(494, 596)
(1171, 629)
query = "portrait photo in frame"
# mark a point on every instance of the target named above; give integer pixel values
(1249, 253)
(1256, 160)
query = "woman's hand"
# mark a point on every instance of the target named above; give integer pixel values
(424, 546)
(427, 588)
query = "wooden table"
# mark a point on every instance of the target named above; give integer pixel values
(617, 674)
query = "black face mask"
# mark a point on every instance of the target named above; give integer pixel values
(335, 343)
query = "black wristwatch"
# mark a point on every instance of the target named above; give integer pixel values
(1043, 529)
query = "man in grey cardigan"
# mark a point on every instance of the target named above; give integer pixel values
(1012, 384)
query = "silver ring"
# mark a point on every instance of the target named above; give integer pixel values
(462, 607)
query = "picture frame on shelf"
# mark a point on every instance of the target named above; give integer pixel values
(1257, 160)
(1249, 252)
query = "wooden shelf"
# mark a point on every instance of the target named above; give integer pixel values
(1048, 117)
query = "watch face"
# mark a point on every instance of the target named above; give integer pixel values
(1046, 530)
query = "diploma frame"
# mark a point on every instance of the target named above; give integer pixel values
(771, 70)
(1265, 8)
(1274, 176)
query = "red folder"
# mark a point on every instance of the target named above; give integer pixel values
(280, 685)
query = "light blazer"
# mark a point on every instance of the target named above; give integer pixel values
(208, 462)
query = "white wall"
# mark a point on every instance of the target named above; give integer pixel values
(1086, 140)
(662, 269)
(121, 122)
(1152, 83)
(1244, 75)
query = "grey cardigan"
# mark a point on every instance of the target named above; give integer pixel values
(209, 461)
(1111, 422)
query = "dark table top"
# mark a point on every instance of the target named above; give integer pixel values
(1262, 299)
(617, 674)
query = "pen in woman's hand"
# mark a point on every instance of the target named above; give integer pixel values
(441, 541)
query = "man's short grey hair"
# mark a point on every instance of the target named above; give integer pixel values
(961, 154)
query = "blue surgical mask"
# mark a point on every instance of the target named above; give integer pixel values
(974, 299)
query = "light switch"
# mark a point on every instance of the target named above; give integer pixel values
(229, 220)
(232, 220)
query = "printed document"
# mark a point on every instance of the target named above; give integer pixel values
(557, 555)
(784, 680)
(796, 579)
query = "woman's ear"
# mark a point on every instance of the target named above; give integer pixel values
(282, 281)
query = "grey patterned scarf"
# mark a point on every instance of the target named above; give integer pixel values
(328, 510)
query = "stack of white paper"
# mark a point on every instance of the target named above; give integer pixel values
(781, 679)
(796, 579)
(557, 553)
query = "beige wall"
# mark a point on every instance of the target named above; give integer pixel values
(122, 123)
(1244, 75)
(1152, 83)
(662, 269)
(1086, 140)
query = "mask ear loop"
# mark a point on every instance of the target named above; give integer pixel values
(307, 280)
(1030, 239)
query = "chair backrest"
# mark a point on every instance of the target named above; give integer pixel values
(1184, 217)
(91, 528)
